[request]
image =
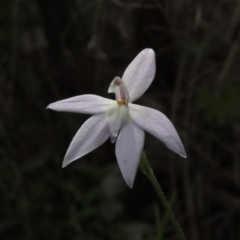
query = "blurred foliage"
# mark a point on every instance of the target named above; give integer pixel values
(195, 47)
(51, 50)
(220, 109)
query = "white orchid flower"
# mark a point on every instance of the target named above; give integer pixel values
(121, 120)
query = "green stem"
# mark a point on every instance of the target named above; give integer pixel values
(149, 173)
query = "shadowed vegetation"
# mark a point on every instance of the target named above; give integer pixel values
(55, 49)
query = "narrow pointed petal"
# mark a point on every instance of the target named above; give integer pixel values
(128, 150)
(89, 104)
(140, 73)
(93, 133)
(158, 125)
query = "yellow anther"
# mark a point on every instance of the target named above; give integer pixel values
(120, 102)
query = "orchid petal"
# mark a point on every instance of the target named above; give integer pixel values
(116, 116)
(140, 73)
(93, 133)
(89, 104)
(128, 149)
(158, 125)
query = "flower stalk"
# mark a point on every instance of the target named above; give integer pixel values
(147, 170)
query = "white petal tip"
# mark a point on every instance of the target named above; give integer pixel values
(50, 106)
(149, 51)
(130, 184)
(183, 154)
(65, 163)
(113, 138)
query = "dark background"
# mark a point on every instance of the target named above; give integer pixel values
(55, 49)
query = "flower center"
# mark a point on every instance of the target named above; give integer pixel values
(120, 102)
(118, 87)
(117, 113)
